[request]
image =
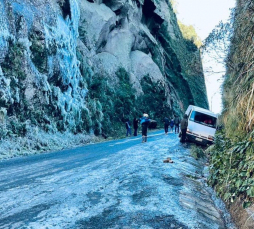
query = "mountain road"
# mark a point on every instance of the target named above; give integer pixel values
(115, 184)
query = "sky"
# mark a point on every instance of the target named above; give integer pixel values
(204, 15)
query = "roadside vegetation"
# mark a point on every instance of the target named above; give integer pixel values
(232, 156)
(232, 168)
(103, 99)
(197, 152)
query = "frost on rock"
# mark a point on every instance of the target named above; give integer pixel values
(38, 58)
(5, 90)
(38, 141)
(71, 98)
(4, 32)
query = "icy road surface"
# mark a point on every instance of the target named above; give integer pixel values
(116, 184)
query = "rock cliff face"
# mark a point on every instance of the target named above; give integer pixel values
(84, 65)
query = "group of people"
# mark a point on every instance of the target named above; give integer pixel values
(144, 121)
(176, 122)
(173, 122)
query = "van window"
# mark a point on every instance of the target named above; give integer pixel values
(203, 119)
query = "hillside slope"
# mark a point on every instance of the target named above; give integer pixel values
(85, 66)
(232, 158)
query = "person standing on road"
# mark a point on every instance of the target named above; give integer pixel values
(177, 122)
(144, 121)
(135, 126)
(184, 125)
(128, 127)
(172, 124)
(166, 124)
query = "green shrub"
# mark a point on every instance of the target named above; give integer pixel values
(18, 128)
(13, 62)
(197, 152)
(232, 168)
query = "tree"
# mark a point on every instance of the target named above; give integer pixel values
(218, 42)
(189, 33)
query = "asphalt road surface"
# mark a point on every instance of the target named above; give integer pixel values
(115, 184)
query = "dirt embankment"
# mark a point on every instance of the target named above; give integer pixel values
(243, 218)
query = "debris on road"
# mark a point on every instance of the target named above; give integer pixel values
(168, 160)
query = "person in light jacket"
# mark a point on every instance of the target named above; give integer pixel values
(144, 121)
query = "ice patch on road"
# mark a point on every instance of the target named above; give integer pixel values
(131, 181)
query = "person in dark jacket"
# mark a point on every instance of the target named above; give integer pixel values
(144, 121)
(184, 125)
(128, 127)
(177, 122)
(135, 126)
(166, 124)
(171, 123)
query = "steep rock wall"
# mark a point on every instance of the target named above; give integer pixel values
(78, 65)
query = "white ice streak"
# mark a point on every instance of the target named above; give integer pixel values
(4, 31)
(16, 147)
(65, 36)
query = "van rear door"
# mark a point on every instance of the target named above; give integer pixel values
(202, 125)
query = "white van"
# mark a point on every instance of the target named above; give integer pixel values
(201, 125)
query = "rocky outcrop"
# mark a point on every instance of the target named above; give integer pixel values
(85, 65)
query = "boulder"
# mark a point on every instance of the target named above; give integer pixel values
(95, 23)
(105, 64)
(142, 65)
(119, 44)
(115, 5)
